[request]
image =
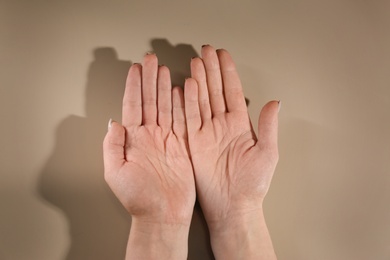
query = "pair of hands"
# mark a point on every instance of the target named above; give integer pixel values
(174, 146)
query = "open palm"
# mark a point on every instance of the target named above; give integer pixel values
(233, 168)
(146, 160)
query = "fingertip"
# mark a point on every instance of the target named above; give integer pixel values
(272, 106)
(134, 70)
(268, 125)
(226, 58)
(189, 80)
(195, 63)
(115, 134)
(150, 57)
(207, 49)
(163, 68)
(177, 89)
(109, 124)
(198, 70)
(222, 51)
(135, 67)
(196, 59)
(269, 113)
(279, 105)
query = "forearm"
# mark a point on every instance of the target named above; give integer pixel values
(157, 241)
(242, 237)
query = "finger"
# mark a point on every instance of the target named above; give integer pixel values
(199, 74)
(132, 101)
(232, 89)
(164, 98)
(179, 120)
(191, 104)
(113, 150)
(268, 127)
(149, 89)
(214, 80)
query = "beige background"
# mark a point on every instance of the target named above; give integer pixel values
(62, 69)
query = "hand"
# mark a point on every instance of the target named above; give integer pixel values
(233, 168)
(146, 160)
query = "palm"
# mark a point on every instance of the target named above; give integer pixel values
(146, 160)
(160, 172)
(230, 150)
(232, 168)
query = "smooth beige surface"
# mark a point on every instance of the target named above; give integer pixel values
(62, 71)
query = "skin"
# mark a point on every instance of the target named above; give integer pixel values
(233, 168)
(148, 166)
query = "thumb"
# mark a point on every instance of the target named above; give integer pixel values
(113, 148)
(268, 126)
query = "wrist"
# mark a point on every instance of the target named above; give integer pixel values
(151, 240)
(242, 236)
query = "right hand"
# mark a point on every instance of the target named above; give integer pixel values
(233, 168)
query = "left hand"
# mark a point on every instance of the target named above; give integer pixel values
(146, 160)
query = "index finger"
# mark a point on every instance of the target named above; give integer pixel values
(132, 103)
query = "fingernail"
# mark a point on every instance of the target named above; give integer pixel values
(110, 124)
(149, 53)
(279, 105)
(205, 45)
